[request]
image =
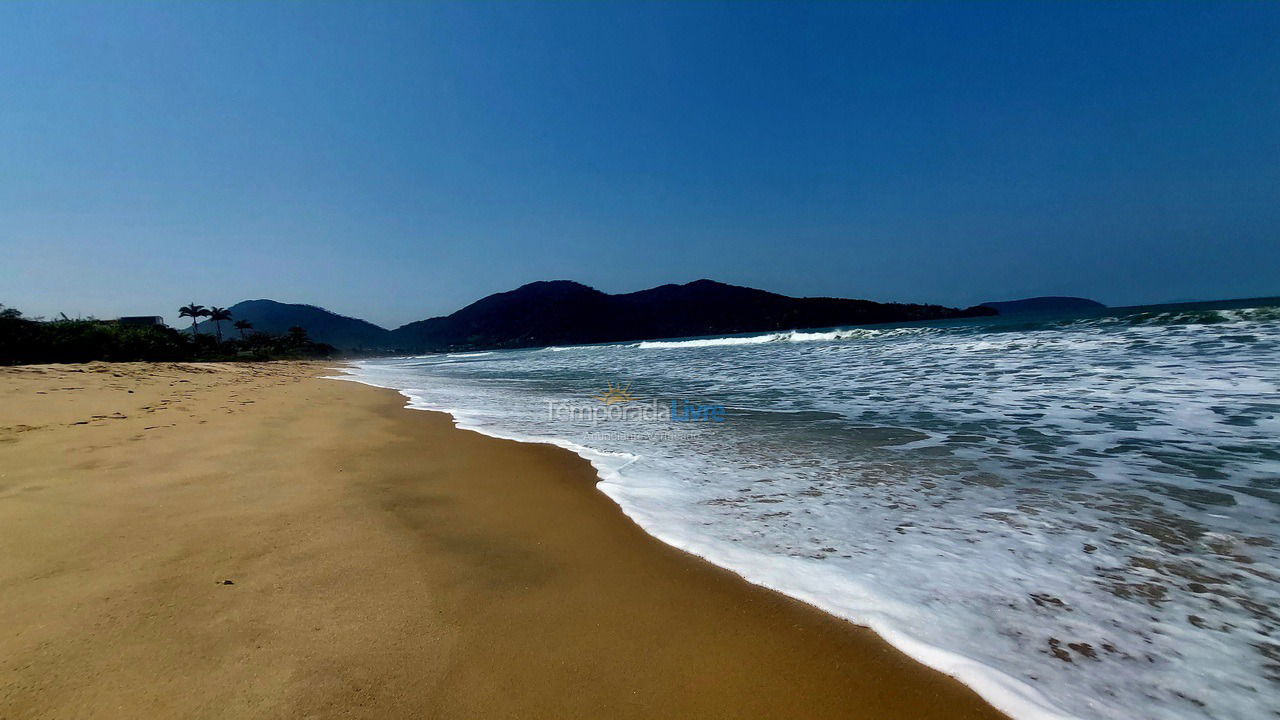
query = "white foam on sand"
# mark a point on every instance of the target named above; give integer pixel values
(812, 585)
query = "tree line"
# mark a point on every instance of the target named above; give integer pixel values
(25, 340)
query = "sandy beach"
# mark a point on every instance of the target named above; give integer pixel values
(250, 540)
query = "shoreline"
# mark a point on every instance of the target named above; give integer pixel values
(1006, 694)
(384, 563)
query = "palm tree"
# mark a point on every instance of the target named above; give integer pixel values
(243, 325)
(195, 312)
(217, 315)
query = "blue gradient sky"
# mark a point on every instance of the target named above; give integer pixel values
(398, 161)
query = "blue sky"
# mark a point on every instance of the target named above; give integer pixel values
(398, 161)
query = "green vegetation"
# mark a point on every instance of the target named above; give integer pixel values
(217, 315)
(195, 312)
(26, 340)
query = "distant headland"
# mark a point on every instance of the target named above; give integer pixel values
(1046, 305)
(562, 312)
(557, 312)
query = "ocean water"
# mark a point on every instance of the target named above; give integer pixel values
(1076, 516)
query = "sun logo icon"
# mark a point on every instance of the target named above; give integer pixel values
(616, 395)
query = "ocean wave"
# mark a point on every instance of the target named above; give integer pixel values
(791, 336)
(1156, 317)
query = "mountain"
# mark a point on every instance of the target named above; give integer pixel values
(562, 312)
(1047, 305)
(323, 326)
(518, 318)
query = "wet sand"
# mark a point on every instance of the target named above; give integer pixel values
(249, 540)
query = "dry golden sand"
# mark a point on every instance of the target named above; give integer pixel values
(383, 564)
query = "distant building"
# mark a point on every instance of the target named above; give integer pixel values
(141, 320)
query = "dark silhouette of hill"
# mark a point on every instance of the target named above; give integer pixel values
(322, 326)
(562, 312)
(1044, 305)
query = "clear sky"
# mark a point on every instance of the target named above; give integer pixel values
(398, 161)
